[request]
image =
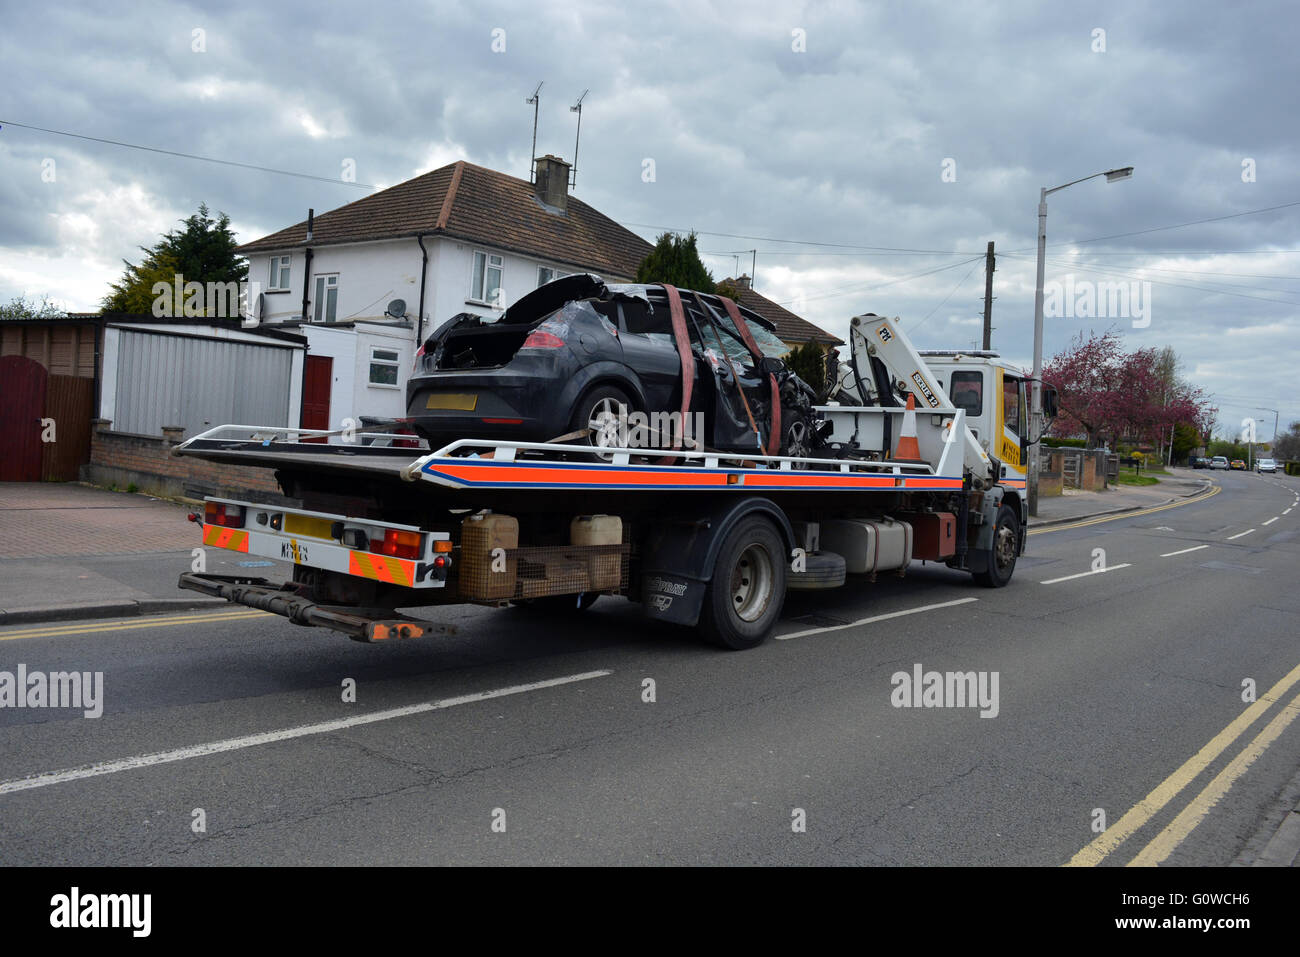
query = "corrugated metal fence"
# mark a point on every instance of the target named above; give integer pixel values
(198, 383)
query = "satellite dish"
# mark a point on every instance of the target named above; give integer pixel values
(396, 309)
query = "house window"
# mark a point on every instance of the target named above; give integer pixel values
(327, 298)
(279, 278)
(485, 285)
(383, 367)
(546, 274)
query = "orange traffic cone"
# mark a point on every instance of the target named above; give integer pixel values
(908, 449)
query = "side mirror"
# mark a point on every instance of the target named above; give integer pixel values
(1051, 402)
(771, 365)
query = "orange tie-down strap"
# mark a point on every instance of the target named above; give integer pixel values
(774, 436)
(232, 538)
(683, 339)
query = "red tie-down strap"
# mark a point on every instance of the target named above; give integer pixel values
(774, 437)
(683, 339)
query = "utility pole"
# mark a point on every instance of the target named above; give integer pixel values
(988, 297)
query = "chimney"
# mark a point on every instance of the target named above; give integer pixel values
(552, 181)
(742, 282)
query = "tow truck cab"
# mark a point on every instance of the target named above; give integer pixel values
(995, 397)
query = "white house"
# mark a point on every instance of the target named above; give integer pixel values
(367, 282)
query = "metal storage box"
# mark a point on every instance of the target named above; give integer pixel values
(935, 535)
(868, 546)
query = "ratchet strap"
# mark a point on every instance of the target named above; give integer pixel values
(774, 437)
(682, 337)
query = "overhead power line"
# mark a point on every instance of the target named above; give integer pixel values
(1104, 271)
(872, 284)
(192, 156)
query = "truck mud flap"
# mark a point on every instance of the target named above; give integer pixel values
(359, 624)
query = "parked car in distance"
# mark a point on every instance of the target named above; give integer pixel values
(1266, 465)
(1239, 465)
(1218, 462)
(1198, 462)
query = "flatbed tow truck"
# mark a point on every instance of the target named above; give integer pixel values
(698, 538)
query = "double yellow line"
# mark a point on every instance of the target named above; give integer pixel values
(1177, 831)
(1215, 490)
(62, 631)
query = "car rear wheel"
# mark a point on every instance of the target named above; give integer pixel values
(599, 412)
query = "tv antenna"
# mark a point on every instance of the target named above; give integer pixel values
(576, 108)
(533, 101)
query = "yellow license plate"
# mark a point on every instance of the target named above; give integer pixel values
(308, 527)
(448, 400)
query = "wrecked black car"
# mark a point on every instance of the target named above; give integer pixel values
(601, 364)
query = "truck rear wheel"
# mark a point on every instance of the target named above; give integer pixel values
(1002, 557)
(747, 589)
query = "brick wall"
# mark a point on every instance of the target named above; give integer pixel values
(123, 459)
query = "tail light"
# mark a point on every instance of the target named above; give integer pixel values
(398, 544)
(537, 339)
(227, 516)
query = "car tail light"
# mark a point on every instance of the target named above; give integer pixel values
(398, 544)
(537, 339)
(227, 516)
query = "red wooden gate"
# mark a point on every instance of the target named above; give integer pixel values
(69, 405)
(316, 393)
(22, 406)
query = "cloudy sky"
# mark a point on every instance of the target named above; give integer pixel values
(867, 151)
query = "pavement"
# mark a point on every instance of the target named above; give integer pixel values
(608, 739)
(72, 551)
(1075, 505)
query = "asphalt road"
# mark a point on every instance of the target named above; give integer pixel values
(1112, 685)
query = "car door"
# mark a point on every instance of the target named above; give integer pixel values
(650, 351)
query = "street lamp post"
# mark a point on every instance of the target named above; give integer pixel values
(1036, 390)
(1272, 441)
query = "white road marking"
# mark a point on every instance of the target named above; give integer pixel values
(1272, 520)
(1286, 511)
(1240, 534)
(1097, 571)
(1195, 548)
(874, 618)
(46, 778)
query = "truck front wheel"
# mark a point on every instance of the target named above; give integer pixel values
(1002, 557)
(747, 589)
